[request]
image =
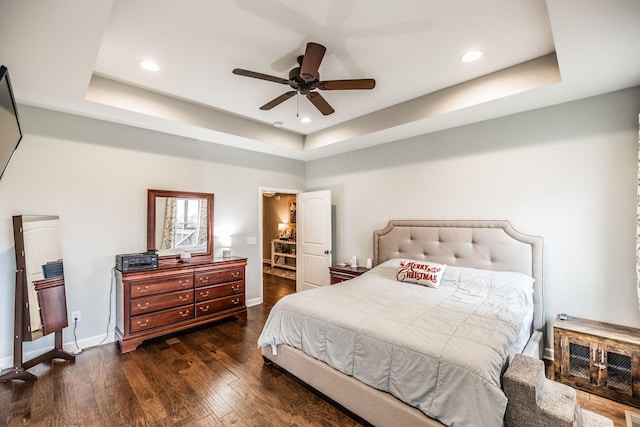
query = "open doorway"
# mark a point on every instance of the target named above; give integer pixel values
(278, 220)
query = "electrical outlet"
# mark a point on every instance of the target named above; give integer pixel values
(75, 316)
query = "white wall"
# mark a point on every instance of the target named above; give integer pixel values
(95, 176)
(567, 173)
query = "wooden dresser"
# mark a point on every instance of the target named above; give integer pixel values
(177, 296)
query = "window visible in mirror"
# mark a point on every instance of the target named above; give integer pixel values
(181, 225)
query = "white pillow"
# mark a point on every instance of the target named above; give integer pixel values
(421, 272)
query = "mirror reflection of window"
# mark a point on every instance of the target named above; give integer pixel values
(184, 226)
(187, 224)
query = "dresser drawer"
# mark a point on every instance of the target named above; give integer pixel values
(219, 276)
(217, 291)
(158, 286)
(160, 302)
(160, 318)
(213, 306)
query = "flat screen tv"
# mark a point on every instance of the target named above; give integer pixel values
(10, 133)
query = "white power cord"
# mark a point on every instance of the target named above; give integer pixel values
(78, 350)
(113, 281)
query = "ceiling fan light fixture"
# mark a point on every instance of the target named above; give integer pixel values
(306, 78)
(149, 65)
(472, 55)
(278, 124)
(305, 119)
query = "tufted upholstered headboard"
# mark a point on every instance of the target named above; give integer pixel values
(489, 245)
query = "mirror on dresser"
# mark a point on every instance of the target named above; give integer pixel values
(180, 222)
(179, 292)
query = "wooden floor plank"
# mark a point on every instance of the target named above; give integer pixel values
(42, 409)
(143, 390)
(119, 404)
(5, 401)
(83, 389)
(206, 384)
(175, 382)
(163, 382)
(64, 403)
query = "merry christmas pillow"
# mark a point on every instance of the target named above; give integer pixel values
(421, 272)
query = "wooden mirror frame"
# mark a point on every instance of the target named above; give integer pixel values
(151, 221)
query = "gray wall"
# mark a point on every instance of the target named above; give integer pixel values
(95, 176)
(567, 173)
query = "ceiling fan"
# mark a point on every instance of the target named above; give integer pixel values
(305, 79)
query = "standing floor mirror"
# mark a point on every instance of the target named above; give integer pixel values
(40, 301)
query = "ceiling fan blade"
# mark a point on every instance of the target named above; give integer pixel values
(321, 104)
(347, 84)
(247, 73)
(277, 101)
(312, 58)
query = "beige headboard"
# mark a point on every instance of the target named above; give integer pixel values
(489, 245)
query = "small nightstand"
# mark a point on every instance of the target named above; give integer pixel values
(341, 273)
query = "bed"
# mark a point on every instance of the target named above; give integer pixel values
(492, 252)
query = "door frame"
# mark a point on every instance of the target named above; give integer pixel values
(261, 230)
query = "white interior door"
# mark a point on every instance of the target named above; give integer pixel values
(313, 239)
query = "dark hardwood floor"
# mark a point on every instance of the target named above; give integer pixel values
(211, 376)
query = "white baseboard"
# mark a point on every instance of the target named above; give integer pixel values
(70, 346)
(254, 301)
(548, 354)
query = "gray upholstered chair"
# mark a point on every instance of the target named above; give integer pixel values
(535, 401)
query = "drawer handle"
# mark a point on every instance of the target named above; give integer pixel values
(141, 289)
(204, 309)
(235, 301)
(183, 297)
(204, 294)
(184, 314)
(142, 307)
(235, 274)
(204, 279)
(185, 283)
(146, 322)
(235, 288)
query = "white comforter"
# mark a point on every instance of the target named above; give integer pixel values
(441, 350)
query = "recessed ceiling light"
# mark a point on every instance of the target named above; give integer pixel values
(471, 56)
(150, 65)
(305, 120)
